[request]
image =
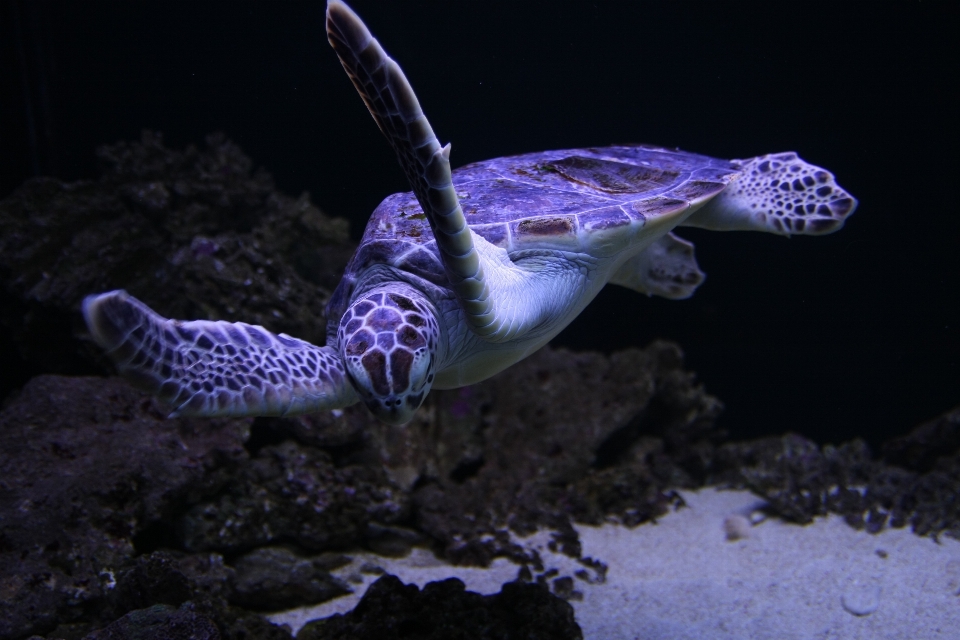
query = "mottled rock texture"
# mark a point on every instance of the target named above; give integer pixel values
(89, 471)
(86, 464)
(560, 437)
(446, 611)
(916, 482)
(274, 578)
(97, 484)
(159, 622)
(293, 492)
(196, 233)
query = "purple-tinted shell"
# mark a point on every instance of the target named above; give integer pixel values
(545, 194)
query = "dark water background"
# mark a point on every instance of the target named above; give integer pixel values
(852, 334)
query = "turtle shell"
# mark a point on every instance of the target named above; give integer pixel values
(552, 198)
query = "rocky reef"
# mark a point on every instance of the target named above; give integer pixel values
(445, 610)
(193, 233)
(117, 522)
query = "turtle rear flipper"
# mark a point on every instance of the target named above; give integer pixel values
(666, 268)
(778, 193)
(206, 368)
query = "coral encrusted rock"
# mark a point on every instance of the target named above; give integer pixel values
(85, 465)
(446, 611)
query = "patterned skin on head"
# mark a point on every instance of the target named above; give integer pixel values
(778, 193)
(388, 341)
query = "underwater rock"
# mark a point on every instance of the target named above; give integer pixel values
(391, 609)
(110, 508)
(801, 480)
(157, 578)
(326, 429)
(274, 578)
(90, 469)
(518, 451)
(159, 622)
(920, 449)
(87, 464)
(290, 491)
(193, 233)
(797, 478)
(562, 437)
(200, 584)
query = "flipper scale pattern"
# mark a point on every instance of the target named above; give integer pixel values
(395, 108)
(205, 368)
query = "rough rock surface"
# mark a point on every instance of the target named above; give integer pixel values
(85, 465)
(141, 484)
(478, 463)
(91, 475)
(88, 467)
(922, 448)
(918, 482)
(512, 453)
(293, 492)
(274, 578)
(159, 622)
(561, 437)
(193, 233)
(446, 611)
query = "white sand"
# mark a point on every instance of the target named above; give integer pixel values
(683, 579)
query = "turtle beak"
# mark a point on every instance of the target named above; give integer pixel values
(396, 410)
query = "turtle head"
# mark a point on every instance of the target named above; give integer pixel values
(388, 342)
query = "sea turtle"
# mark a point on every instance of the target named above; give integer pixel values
(472, 271)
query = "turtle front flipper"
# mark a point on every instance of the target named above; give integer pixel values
(393, 104)
(778, 193)
(206, 368)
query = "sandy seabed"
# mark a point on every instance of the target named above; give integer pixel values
(715, 570)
